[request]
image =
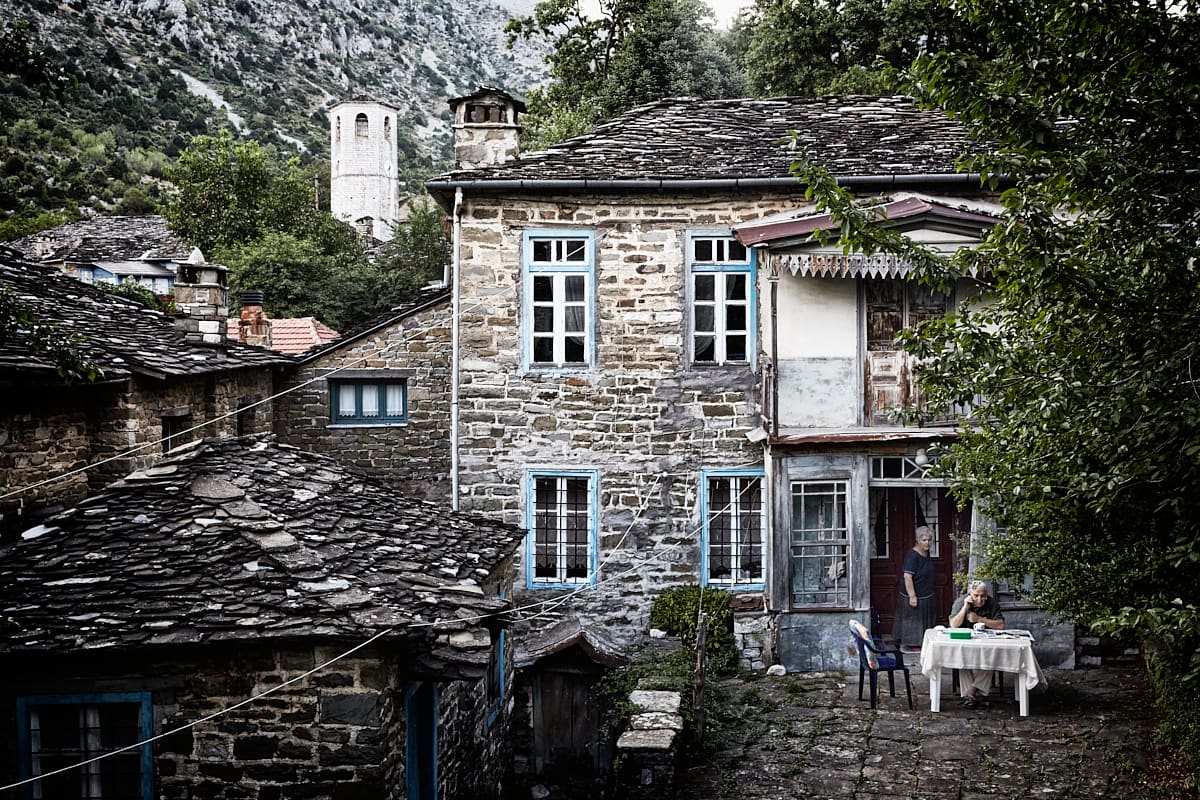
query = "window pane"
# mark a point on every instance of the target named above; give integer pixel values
(543, 350)
(735, 287)
(395, 400)
(573, 288)
(705, 287)
(574, 319)
(541, 250)
(370, 400)
(543, 289)
(706, 348)
(735, 318)
(737, 250)
(543, 319)
(735, 348)
(573, 350)
(346, 403)
(703, 249)
(576, 250)
(706, 319)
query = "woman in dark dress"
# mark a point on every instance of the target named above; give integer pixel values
(914, 607)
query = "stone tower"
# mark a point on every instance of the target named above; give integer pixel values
(364, 189)
(485, 128)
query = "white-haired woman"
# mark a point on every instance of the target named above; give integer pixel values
(915, 607)
(976, 607)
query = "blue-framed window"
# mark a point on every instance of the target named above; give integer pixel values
(369, 402)
(57, 731)
(734, 547)
(722, 299)
(559, 299)
(821, 543)
(562, 524)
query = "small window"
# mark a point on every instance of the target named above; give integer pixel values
(722, 300)
(558, 306)
(733, 530)
(175, 430)
(820, 544)
(362, 128)
(562, 529)
(57, 731)
(378, 402)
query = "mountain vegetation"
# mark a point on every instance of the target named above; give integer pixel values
(132, 83)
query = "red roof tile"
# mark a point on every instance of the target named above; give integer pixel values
(292, 336)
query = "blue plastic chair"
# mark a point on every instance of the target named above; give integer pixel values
(874, 658)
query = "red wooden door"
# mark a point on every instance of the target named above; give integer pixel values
(896, 513)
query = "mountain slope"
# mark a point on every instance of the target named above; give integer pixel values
(153, 73)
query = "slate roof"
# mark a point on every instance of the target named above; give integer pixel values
(292, 335)
(122, 337)
(104, 239)
(243, 540)
(739, 140)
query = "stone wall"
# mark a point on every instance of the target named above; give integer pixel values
(414, 456)
(337, 734)
(49, 432)
(641, 416)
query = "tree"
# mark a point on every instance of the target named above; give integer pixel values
(19, 57)
(814, 47)
(419, 251)
(632, 52)
(1087, 449)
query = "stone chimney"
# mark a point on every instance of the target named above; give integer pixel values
(254, 327)
(485, 128)
(200, 308)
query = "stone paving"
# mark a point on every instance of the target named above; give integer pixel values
(805, 736)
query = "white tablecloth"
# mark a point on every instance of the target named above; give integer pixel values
(981, 651)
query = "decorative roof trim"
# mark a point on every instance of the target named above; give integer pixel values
(853, 265)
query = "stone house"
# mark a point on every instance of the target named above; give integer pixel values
(666, 381)
(249, 620)
(379, 398)
(161, 377)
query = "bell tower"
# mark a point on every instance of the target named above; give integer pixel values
(364, 189)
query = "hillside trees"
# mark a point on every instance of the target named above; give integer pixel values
(633, 52)
(1087, 450)
(248, 210)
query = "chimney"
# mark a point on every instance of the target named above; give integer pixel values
(254, 327)
(485, 128)
(200, 309)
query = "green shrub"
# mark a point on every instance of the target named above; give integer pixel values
(676, 611)
(1178, 700)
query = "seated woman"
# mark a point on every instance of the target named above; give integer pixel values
(976, 607)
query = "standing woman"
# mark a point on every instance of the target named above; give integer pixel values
(914, 609)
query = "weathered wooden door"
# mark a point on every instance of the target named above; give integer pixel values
(891, 306)
(896, 513)
(566, 729)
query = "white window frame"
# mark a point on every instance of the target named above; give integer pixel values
(739, 549)
(561, 544)
(823, 551)
(557, 257)
(722, 266)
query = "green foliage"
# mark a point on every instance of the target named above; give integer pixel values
(1087, 446)
(672, 671)
(19, 322)
(132, 291)
(22, 57)
(419, 251)
(815, 47)
(676, 611)
(25, 225)
(632, 52)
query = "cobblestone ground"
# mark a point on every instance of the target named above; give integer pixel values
(810, 738)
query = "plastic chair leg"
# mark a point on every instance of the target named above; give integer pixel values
(892, 682)
(874, 688)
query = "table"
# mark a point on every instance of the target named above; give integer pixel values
(981, 651)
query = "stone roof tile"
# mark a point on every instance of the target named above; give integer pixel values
(104, 239)
(171, 560)
(692, 139)
(121, 337)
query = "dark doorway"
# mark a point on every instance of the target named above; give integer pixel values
(896, 513)
(421, 717)
(567, 749)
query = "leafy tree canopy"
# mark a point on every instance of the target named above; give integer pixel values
(816, 47)
(1087, 446)
(632, 52)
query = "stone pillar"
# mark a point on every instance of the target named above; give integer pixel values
(200, 305)
(648, 749)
